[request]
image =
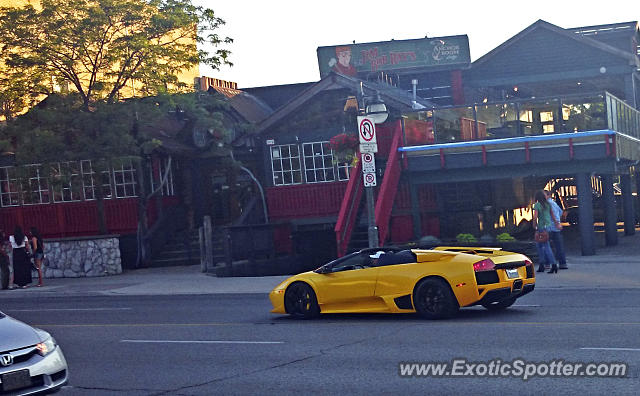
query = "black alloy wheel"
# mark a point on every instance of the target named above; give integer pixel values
(433, 299)
(499, 305)
(300, 301)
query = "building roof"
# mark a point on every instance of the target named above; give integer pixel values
(570, 33)
(394, 97)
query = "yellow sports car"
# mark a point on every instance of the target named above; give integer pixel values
(435, 283)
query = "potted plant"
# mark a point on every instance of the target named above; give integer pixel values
(344, 146)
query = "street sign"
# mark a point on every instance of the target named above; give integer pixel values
(368, 147)
(366, 130)
(369, 179)
(368, 163)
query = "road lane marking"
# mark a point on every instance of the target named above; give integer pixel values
(141, 324)
(525, 305)
(70, 309)
(426, 323)
(611, 349)
(199, 342)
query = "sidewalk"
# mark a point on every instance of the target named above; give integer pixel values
(611, 267)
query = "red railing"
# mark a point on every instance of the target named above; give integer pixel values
(389, 186)
(69, 219)
(349, 209)
(305, 200)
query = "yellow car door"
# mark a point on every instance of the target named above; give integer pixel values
(348, 285)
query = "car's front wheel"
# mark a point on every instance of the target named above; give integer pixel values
(500, 305)
(300, 301)
(433, 299)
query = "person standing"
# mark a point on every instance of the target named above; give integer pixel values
(21, 262)
(555, 233)
(4, 261)
(37, 247)
(543, 220)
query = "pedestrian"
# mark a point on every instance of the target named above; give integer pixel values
(543, 220)
(5, 273)
(37, 247)
(21, 261)
(555, 233)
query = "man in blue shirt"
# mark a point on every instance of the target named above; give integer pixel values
(555, 233)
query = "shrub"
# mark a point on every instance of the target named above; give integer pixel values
(505, 237)
(466, 238)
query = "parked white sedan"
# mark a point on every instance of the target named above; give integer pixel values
(30, 359)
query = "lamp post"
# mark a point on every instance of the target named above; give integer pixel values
(376, 111)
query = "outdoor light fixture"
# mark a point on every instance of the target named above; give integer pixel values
(377, 111)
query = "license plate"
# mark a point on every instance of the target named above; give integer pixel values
(15, 380)
(512, 273)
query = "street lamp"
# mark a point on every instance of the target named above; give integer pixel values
(377, 112)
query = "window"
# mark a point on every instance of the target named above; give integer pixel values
(344, 170)
(35, 189)
(67, 182)
(526, 115)
(89, 182)
(318, 162)
(167, 188)
(9, 195)
(285, 162)
(124, 177)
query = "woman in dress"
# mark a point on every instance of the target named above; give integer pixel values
(37, 247)
(21, 262)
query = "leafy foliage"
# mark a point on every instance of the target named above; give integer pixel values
(99, 47)
(466, 238)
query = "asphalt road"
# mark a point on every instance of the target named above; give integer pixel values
(231, 344)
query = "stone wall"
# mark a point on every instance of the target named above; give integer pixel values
(82, 257)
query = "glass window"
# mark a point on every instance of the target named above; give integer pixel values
(584, 114)
(497, 120)
(158, 174)
(454, 125)
(318, 161)
(66, 181)
(35, 188)
(9, 192)
(124, 176)
(89, 180)
(286, 166)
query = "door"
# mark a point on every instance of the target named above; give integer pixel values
(349, 286)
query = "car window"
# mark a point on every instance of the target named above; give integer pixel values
(357, 261)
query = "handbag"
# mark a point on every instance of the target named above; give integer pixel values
(541, 236)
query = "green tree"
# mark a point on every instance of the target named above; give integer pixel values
(97, 47)
(58, 129)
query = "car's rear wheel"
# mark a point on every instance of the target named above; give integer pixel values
(300, 301)
(499, 305)
(433, 299)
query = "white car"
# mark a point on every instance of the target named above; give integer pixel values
(30, 359)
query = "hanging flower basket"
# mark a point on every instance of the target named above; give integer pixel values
(344, 147)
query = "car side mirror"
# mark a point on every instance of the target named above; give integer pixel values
(325, 269)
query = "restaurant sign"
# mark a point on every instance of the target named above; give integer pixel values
(394, 55)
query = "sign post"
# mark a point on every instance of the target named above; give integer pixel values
(369, 142)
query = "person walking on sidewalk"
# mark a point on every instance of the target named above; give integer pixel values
(555, 233)
(37, 247)
(21, 262)
(543, 220)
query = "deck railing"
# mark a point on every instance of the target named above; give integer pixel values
(530, 117)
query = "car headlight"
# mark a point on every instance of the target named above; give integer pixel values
(47, 346)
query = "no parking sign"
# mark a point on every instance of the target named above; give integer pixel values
(369, 179)
(368, 163)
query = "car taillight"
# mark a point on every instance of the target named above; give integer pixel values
(484, 265)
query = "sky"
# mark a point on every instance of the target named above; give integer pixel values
(275, 41)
